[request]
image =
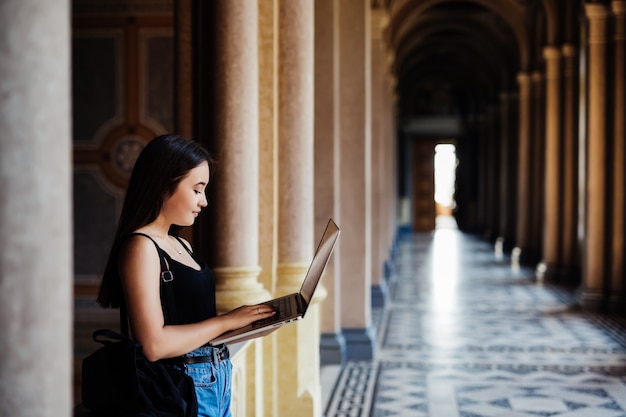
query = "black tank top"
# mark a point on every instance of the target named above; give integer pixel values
(194, 291)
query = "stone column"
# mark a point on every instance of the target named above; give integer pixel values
(355, 180)
(493, 177)
(617, 294)
(379, 175)
(537, 167)
(548, 268)
(391, 168)
(183, 98)
(524, 173)
(570, 264)
(268, 194)
(237, 135)
(327, 188)
(35, 214)
(594, 268)
(299, 385)
(483, 171)
(508, 168)
(503, 173)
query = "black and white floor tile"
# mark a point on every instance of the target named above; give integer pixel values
(464, 334)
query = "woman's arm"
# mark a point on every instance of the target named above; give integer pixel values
(140, 271)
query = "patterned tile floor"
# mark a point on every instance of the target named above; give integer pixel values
(464, 334)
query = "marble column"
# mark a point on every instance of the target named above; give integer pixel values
(503, 173)
(268, 195)
(379, 175)
(483, 171)
(183, 96)
(36, 274)
(617, 293)
(299, 384)
(508, 168)
(548, 268)
(591, 294)
(237, 135)
(327, 187)
(355, 180)
(493, 168)
(537, 166)
(524, 172)
(570, 263)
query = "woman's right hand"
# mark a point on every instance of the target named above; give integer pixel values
(245, 315)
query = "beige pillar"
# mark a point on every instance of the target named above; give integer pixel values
(503, 173)
(548, 268)
(380, 247)
(594, 268)
(237, 135)
(327, 187)
(492, 167)
(537, 166)
(299, 385)
(391, 168)
(507, 165)
(483, 171)
(183, 99)
(617, 292)
(268, 196)
(355, 181)
(524, 174)
(35, 213)
(569, 207)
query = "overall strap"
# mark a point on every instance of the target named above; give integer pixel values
(167, 295)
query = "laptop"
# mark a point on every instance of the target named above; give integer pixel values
(291, 307)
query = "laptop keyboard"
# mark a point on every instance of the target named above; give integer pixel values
(283, 310)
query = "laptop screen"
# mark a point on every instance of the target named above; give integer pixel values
(320, 260)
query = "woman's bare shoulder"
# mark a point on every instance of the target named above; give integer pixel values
(138, 246)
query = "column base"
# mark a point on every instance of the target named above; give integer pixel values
(591, 299)
(521, 256)
(502, 246)
(360, 343)
(547, 272)
(388, 268)
(332, 349)
(379, 294)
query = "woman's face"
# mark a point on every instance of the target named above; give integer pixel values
(188, 199)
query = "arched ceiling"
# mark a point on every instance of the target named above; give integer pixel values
(453, 58)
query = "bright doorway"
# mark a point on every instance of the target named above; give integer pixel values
(445, 178)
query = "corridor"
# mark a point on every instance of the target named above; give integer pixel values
(464, 334)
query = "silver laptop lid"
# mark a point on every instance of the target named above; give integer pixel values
(320, 260)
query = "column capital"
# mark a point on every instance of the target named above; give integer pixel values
(537, 76)
(619, 11)
(238, 285)
(618, 7)
(569, 50)
(551, 52)
(598, 17)
(552, 55)
(596, 11)
(523, 78)
(289, 277)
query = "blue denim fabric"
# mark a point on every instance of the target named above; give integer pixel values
(213, 384)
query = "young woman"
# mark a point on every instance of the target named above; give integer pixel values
(167, 191)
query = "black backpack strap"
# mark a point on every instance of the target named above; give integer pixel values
(167, 291)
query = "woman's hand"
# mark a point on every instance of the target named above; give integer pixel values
(245, 315)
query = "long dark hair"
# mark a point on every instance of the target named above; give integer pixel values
(161, 165)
